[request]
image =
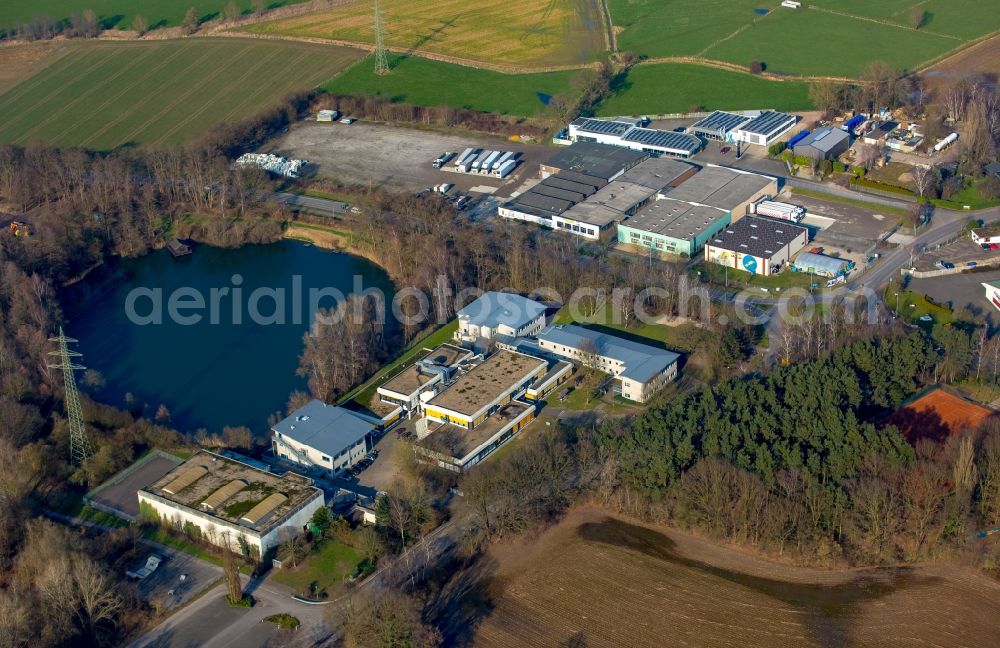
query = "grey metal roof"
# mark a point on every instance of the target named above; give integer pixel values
(562, 181)
(768, 122)
(759, 237)
(721, 187)
(538, 204)
(493, 308)
(675, 142)
(720, 122)
(642, 361)
(675, 218)
(602, 161)
(657, 173)
(824, 139)
(327, 428)
(547, 189)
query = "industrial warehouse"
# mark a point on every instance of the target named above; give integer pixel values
(686, 216)
(231, 504)
(762, 129)
(757, 245)
(629, 133)
(596, 192)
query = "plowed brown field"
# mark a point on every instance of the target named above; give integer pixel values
(597, 581)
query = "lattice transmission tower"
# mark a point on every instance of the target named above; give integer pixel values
(381, 60)
(79, 444)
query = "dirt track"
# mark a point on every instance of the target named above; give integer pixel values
(615, 584)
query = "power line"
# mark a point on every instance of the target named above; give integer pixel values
(79, 444)
(381, 61)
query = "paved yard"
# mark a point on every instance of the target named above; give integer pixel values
(849, 220)
(121, 496)
(178, 579)
(381, 154)
(959, 289)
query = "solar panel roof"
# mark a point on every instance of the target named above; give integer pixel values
(721, 121)
(768, 122)
(663, 139)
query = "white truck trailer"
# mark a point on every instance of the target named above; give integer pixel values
(504, 169)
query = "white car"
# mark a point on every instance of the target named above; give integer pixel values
(347, 120)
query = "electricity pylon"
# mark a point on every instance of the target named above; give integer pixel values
(79, 444)
(381, 61)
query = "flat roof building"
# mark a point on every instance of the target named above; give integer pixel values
(427, 374)
(588, 206)
(640, 369)
(481, 410)
(826, 143)
(627, 133)
(764, 129)
(322, 436)
(756, 245)
(730, 189)
(499, 313)
(673, 226)
(232, 504)
(592, 159)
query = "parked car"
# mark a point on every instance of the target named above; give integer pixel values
(725, 149)
(994, 246)
(347, 120)
(985, 246)
(948, 265)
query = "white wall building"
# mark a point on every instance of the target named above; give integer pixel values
(231, 504)
(500, 314)
(757, 245)
(641, 369)
(323, 436)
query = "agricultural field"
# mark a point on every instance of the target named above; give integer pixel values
(832, 38)
(104, 95)
(679, 27)
(424, 82)
(680, 87)
(119, 13)
(18, 62)
(981, 58)
(527, 33)
(965, 19)
(593, 580)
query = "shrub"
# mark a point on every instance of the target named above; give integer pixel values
(777, 148)
(284, 621)
(756, 67)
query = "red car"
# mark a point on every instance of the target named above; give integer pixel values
(994, 246)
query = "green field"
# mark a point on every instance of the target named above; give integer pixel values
(322, 571)
(965, 19)
(679, 27)
(678, 87)
(103, 95)
(811, 41)
(119, 13)
(802, 43)
(432, 83)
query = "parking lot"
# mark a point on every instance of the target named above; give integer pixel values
(380, 154)
(958, 253)
(958, 290)
(179, 578)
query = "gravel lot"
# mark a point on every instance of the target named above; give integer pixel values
(381, 154)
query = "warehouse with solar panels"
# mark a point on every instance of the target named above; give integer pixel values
(232, 504)
(629, 133)
(718, 125)
(765, 129)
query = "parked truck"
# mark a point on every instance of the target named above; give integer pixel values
(504, 169)
(488, 162)
(460, 160)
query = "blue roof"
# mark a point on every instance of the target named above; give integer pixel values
(327, 428)
(495, 308)
(642, 361)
